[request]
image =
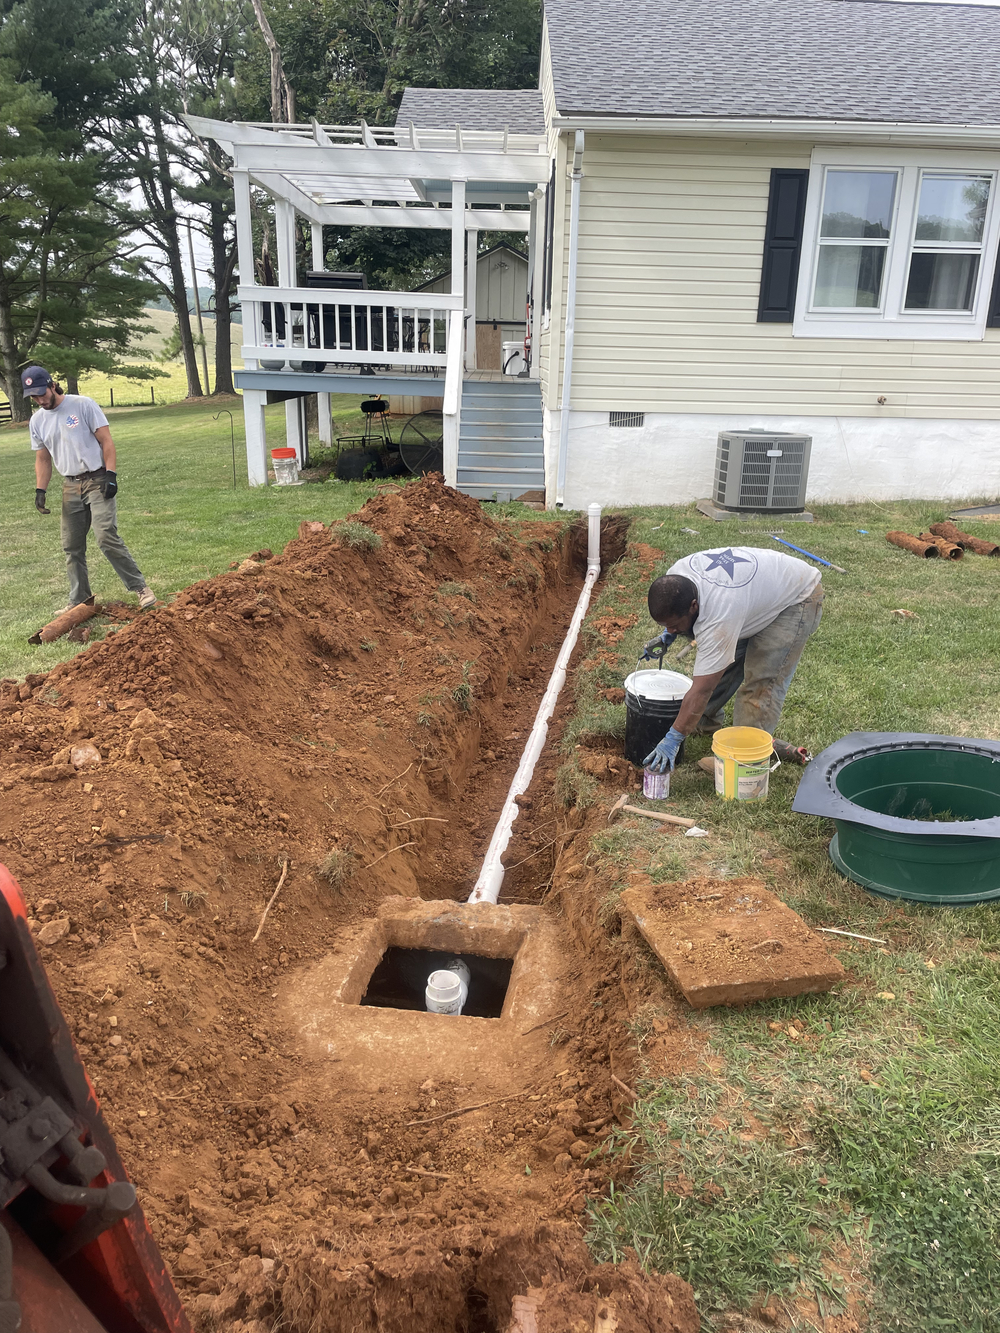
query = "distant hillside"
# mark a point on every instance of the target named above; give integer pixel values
(205, 294)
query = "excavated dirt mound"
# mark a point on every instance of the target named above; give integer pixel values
(351, 711)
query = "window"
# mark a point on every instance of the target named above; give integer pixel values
(898, 247)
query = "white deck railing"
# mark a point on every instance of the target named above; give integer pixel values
(310, 327)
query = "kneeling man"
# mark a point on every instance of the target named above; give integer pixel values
(751, 611)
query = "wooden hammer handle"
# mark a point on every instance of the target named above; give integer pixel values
(664, 819)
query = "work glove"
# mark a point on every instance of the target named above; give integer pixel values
(109, 485)
(40, 501)
(658, 646)
(664, 756)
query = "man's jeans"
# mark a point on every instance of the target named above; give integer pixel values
(83, 505)
(763, 669)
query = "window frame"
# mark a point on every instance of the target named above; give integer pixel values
(891, 319)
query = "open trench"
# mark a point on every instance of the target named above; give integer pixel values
(305, 1158)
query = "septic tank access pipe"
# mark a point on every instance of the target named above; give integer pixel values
(576, 176)
(487, 887)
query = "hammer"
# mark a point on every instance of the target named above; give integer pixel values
(620, 804)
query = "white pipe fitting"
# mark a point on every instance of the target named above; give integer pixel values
(487, 886)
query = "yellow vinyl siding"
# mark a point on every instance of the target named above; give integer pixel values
(671, 242)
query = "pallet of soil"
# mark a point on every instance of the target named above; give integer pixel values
(730, 941)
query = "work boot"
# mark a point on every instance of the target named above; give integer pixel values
(147, 598)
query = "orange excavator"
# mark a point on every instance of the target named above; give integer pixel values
(76, 1255)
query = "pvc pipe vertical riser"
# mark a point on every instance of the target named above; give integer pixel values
(487, 886)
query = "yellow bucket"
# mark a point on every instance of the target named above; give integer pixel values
(742, 763)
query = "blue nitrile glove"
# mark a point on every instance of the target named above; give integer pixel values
(658, 646)
(663, 757)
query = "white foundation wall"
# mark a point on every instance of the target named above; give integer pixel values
(670, 459)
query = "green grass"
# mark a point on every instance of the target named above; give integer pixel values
(776, 1168)
(177, 511)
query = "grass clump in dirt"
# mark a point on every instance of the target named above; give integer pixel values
(355, 534)
(338, 868)
(463, 693)
(573, 787)
(452, 589)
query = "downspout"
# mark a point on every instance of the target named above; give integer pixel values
(487, 886)
(576, 176)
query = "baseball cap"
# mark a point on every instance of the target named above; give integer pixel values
(35, 380)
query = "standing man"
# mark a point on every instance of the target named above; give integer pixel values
(72, 432)
(752, 611)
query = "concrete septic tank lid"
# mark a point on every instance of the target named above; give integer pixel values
(918, 856)
(377, 1046)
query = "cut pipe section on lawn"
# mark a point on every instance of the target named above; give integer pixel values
(487, 886)
(948, 550)
(76, 615)
(977, 545)
(910, 543)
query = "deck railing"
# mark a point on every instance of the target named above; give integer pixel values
(310, 328)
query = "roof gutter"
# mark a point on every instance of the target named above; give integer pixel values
(576, 176)
(815, 131)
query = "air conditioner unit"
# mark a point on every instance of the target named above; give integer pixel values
(762, 471)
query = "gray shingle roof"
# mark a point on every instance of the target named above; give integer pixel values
(520, 110)
(822, 59)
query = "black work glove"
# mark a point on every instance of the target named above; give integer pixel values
(109, 485)
(40, 501)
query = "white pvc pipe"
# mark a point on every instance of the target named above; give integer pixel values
(487, 886)
(576, 176)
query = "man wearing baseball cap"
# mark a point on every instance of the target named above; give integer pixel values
(71, 432)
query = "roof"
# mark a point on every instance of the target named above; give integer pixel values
(519, 110)
(854, 60)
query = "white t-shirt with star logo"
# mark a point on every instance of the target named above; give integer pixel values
(741, 589)
(67, 431)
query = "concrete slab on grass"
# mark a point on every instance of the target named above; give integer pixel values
(730, 941)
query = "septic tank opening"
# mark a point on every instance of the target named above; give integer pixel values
(400, 979)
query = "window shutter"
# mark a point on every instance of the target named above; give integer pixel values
(993, 314)
(786, 208)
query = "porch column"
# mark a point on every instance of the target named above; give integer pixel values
(318, 261)
(284, 225)
(472, 254)
(536, 248)
(254, 401)
(244, 250)
(325, 423)
(294, 436)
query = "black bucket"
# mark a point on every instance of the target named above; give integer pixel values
(647, 721)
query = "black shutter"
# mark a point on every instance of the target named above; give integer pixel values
(786, 208)
(993, 314)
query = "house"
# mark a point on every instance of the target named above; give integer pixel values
(777, 215)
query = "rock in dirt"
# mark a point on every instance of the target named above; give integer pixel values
(52, 772)
(730, 941)
(84, 755)
(53, 931)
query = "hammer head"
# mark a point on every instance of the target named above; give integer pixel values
(617, 806)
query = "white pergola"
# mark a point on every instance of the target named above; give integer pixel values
(465, 181)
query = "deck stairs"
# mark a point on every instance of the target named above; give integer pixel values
(500, 453)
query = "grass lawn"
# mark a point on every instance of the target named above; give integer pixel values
(177, 511)
(858, 1160)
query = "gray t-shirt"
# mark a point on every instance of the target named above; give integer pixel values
(741, 589)
(67, 431)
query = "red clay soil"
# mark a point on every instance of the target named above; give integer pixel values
(360, 710)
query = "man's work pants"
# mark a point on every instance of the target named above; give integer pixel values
(84, 506)
(763, 669)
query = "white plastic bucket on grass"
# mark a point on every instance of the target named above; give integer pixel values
(286, 467)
